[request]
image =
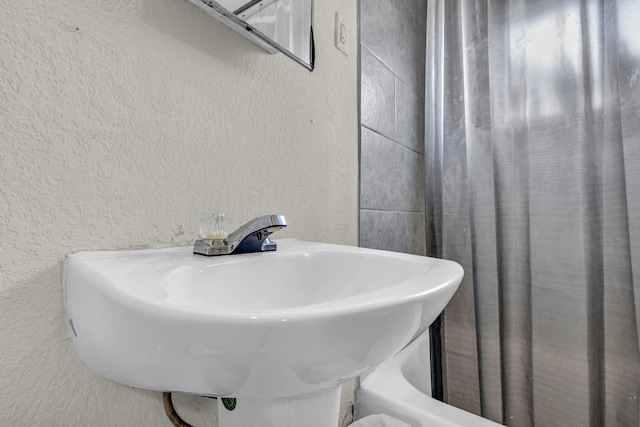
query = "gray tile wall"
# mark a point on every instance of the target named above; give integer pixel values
(392, 58)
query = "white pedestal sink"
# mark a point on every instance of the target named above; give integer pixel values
(278, 331)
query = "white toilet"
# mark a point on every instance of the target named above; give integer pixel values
(401, 389)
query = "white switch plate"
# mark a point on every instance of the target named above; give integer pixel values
(341, 34)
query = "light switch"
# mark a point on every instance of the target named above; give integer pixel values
(341, 34)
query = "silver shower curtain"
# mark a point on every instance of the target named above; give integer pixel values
(533, 185)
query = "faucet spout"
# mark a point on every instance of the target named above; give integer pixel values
(251, 237)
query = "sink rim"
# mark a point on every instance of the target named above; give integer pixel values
(398, 294)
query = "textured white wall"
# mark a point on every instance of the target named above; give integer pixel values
(120, 121)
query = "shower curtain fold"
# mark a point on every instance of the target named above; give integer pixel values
(532, 151)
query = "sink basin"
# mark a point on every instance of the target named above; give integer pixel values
(300, 320)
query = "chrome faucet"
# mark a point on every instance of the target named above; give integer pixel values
(251, 237)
